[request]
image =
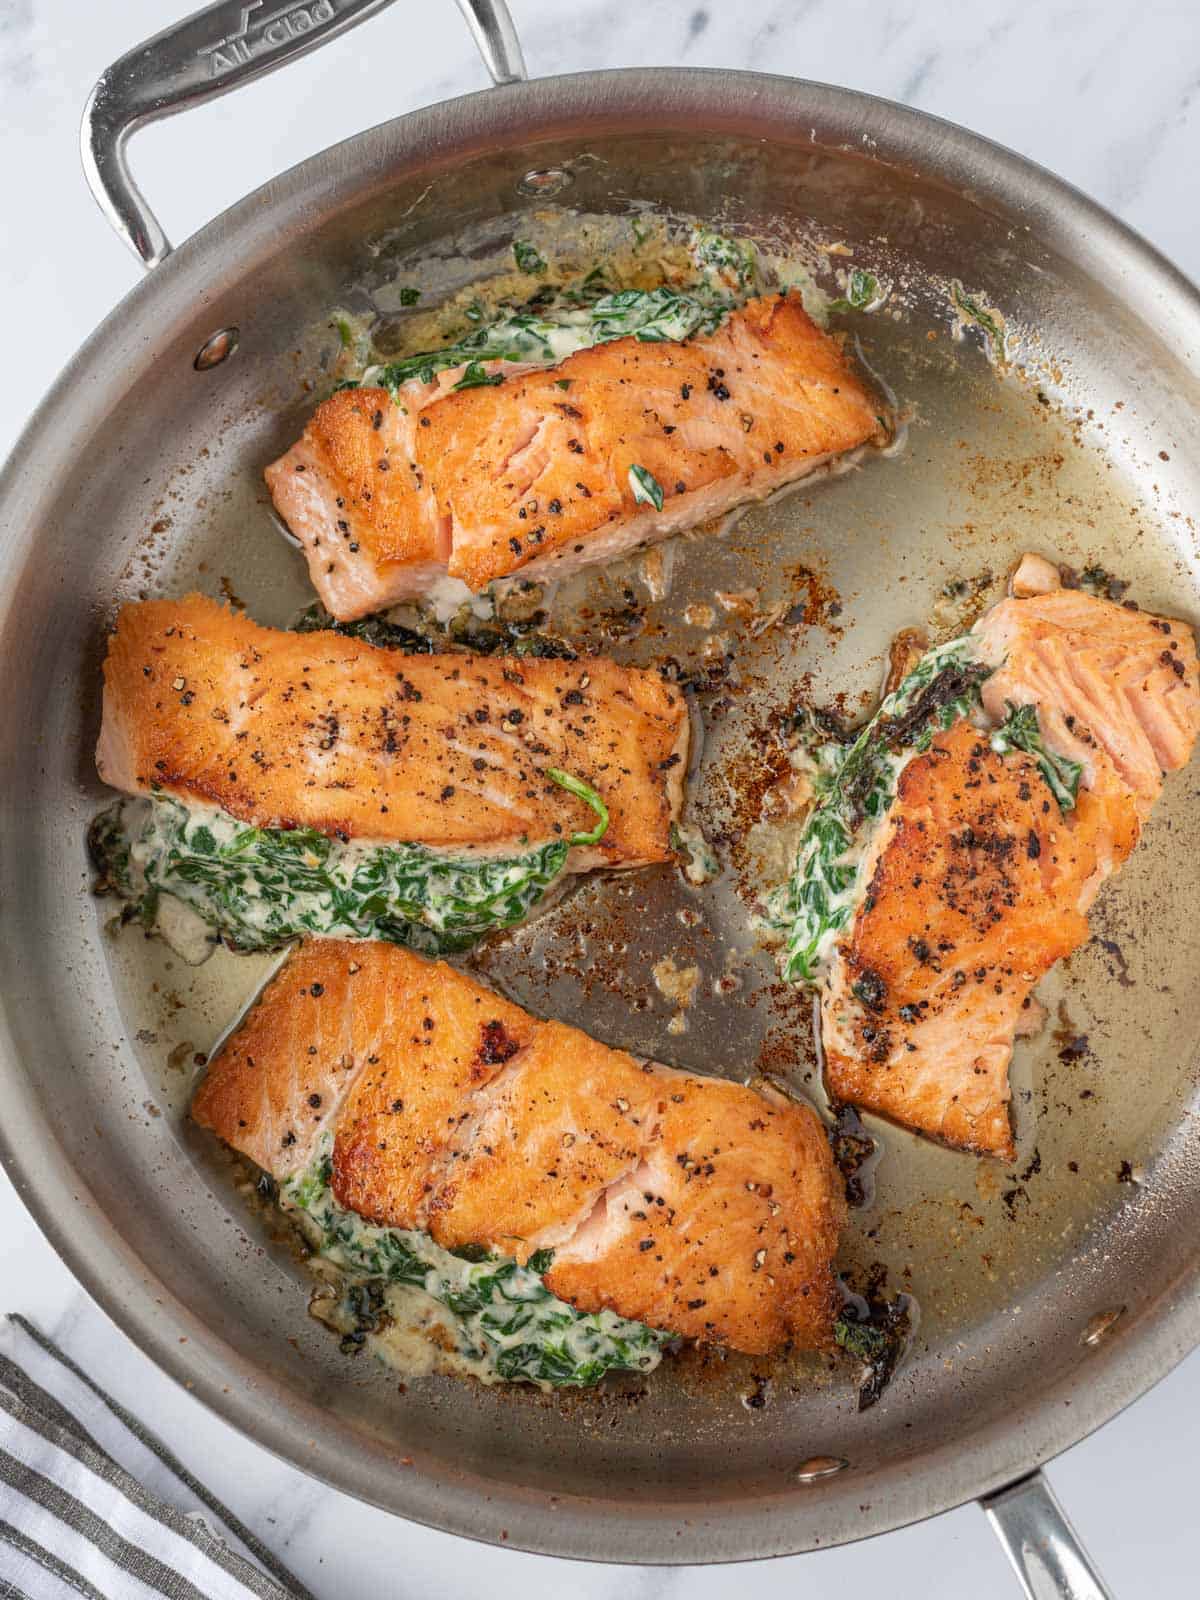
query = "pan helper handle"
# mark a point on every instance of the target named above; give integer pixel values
(1041, 1544)
(212, 52)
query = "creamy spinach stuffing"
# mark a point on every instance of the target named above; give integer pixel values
(506, 1323)
(558, 322)
(260, 887)
(854, 785)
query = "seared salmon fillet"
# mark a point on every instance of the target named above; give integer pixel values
(552, 469)
(315, 730)
(975, 888)
(1000, 832)
(691, 1205)
(543, 482)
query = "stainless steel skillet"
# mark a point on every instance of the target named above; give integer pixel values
(1051, 1294)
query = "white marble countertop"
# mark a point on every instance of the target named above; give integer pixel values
(1104, 93)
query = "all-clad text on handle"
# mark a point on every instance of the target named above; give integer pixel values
(212, 52)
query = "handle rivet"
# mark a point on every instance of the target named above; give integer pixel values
(1100, 1326)
(818, 1467)
(217, 349)
(543, 181)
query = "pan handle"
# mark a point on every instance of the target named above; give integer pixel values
(212, 52)
(1041, 1544)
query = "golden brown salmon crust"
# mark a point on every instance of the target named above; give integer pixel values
(974, 895)
(362, 440)
(529, 470)
(279, 1080)
(976, 883)
(315, 730)
(387, 497)
(690, 1204)
(726, 1229)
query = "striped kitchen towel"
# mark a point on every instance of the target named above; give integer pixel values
(92, 1505)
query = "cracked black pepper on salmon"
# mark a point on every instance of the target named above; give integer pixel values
(690, 1205)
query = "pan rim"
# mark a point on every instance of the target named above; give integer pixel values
(92, 1249)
